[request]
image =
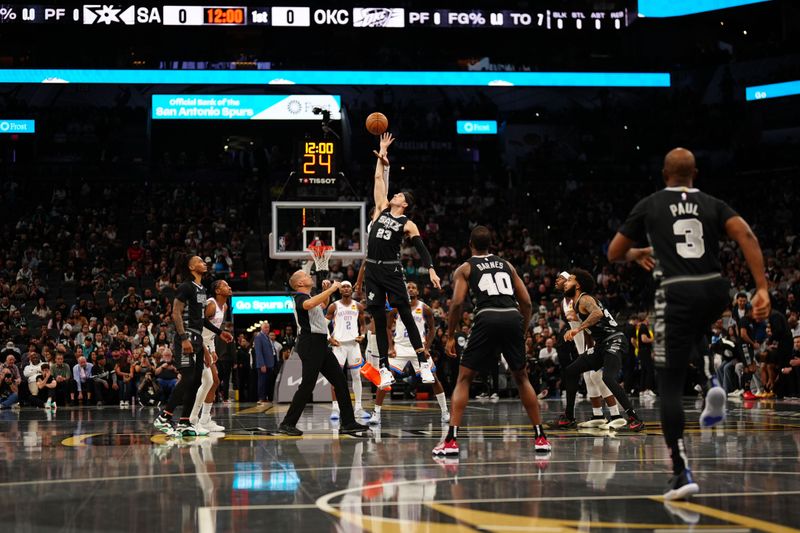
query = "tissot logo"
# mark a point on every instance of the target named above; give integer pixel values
(318, 181)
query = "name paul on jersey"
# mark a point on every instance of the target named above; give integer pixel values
(683, 208)
(390, 223)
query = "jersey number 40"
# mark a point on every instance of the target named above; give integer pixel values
(496, 284)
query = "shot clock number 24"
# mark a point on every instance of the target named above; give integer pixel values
(319, 158)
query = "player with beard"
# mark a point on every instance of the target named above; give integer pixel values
(189, 319)
(595, 386)
(609, 350)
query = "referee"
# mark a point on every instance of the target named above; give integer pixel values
(317, 358)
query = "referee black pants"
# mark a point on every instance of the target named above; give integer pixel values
(318, 359)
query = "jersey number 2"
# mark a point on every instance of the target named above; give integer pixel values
(692, 229)
(500, 283)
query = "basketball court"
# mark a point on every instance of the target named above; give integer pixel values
(104, 469)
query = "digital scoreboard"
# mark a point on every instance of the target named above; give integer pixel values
(317, 162)
(204, 16)
(617, 15)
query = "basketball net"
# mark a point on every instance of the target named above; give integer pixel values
(321, 254)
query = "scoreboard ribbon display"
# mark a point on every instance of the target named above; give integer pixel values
(543, 17)
(243, 107)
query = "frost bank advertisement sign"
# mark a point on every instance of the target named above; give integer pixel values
(262, 305)
(244, 107)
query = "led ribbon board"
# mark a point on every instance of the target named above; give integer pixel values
(476, 127)
(338, 77)
(773, 90)
(10, 126)
(679, 8)
(243, 107)
(261, 305)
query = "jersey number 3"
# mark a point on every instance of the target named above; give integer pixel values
(493, 285)
(384, 234)
(692, 230)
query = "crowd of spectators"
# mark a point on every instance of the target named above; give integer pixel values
(87, 284)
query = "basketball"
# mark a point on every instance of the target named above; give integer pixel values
(377, 123)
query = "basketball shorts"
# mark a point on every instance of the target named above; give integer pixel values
(493, 332)
(383, 281)
(685, 309)
(349, 353)
(611, 351)
(186, 360)
(405, 355)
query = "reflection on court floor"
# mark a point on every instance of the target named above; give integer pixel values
(78, 462)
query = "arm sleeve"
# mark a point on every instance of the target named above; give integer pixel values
(424, 254)
(211, 327)
(634, 225)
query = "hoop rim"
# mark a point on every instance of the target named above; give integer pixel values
(319, 250)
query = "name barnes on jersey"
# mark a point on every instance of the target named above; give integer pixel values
(683, 208)
(490, 264)
(390, 223)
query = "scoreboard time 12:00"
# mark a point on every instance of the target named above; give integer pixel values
(318, 161)
(205, 16)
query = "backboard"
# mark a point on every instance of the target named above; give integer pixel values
(296, 225)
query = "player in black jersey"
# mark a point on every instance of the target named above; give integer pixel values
(683, 227)
(383, 276)
(188, 314)
(610, 348)
(502, 311)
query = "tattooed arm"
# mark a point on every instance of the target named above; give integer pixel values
(587, 305)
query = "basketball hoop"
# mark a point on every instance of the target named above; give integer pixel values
(321, 254)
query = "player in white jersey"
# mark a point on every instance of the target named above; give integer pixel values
(214, 315)
(401, 351)
(348, 332)
(595, 387)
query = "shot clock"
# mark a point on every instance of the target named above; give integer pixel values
(317, 162)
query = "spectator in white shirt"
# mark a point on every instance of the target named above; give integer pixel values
(31, 371)
(548, 352)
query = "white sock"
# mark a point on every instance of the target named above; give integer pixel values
(442, 401)
(335, 406)
(614, 409)
(206, 412)
(357, 389)
(378, 409)
(597, 411)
